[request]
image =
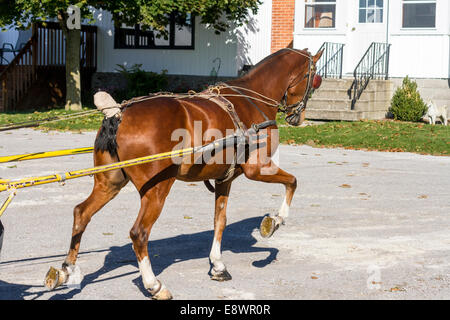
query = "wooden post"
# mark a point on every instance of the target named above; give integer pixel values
(4, 95)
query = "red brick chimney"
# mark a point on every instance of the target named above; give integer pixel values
(283, 12)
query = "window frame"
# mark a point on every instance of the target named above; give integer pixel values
(139, 32)
(366, 8)
(312, 3)
(410, 2)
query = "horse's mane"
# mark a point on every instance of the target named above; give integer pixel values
(272, 56)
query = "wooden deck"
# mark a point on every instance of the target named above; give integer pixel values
(41, 64)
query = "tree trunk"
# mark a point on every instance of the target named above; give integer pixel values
(73, 74)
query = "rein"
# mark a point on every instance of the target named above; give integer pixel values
(215, 91)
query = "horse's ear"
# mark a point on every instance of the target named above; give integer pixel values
(318, 55)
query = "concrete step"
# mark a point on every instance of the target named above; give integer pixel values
(339, 84)
(340, 115)
(329, 104)
(330, 93)
(323, 114)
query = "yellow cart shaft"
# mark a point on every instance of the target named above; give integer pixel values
(45, 154)
(28, 182)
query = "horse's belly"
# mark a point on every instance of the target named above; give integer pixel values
(201, 172)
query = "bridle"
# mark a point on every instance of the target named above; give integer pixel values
(293, 111)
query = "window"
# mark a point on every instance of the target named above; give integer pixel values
(139, 37)
(320, 14)
(371, 11)
(419, 14)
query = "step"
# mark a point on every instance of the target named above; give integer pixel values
(329, 104)
(339, 84)
(330, 93)
(349, 115)
(323, 114)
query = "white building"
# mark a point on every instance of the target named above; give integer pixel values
(418, 32)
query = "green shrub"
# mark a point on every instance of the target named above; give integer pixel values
(140, 82)
(406, 104)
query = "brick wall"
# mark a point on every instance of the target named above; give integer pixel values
(282, 24)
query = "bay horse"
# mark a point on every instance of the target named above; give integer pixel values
(145, 126)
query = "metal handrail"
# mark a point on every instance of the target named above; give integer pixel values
(373, 65)
(330, 64)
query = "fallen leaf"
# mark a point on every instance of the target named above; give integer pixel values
(397, 289)
(365, 164)
(192, 184)
(314, 277)
(187, 217)
(423, 196)
(107, 233)
(347, 186)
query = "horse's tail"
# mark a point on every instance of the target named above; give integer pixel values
(106, 138)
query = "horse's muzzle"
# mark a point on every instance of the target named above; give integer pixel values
(296, 118)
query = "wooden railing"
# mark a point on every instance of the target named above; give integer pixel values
(52, 49)
(45, 49)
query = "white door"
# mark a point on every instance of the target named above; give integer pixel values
(367, 24)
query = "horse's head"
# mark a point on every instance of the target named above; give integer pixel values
(301, 86)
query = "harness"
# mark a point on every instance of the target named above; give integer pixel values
(214, 94)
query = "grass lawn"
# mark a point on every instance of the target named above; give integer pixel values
(386, 135)
(394, 136)
(90, 122)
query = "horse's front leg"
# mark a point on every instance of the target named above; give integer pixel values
(271, 173)
(218, 270)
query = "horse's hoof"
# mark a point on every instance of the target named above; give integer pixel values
(221, 276)
(163, 294)
(268, 226)
(54, 278)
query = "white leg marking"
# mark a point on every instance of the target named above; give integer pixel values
(148, 277)
(216, 257)
(284, 210)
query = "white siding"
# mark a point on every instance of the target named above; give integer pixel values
(419, 53)
(208, 46)
(244, 45)
(254, 38)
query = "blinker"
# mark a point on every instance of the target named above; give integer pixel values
(317, 81)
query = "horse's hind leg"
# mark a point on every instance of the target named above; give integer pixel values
(106, 186)
(152, 203)
(272, 174)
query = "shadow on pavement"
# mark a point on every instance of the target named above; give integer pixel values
(237, 238)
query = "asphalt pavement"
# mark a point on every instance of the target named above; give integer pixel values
(363, 225)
